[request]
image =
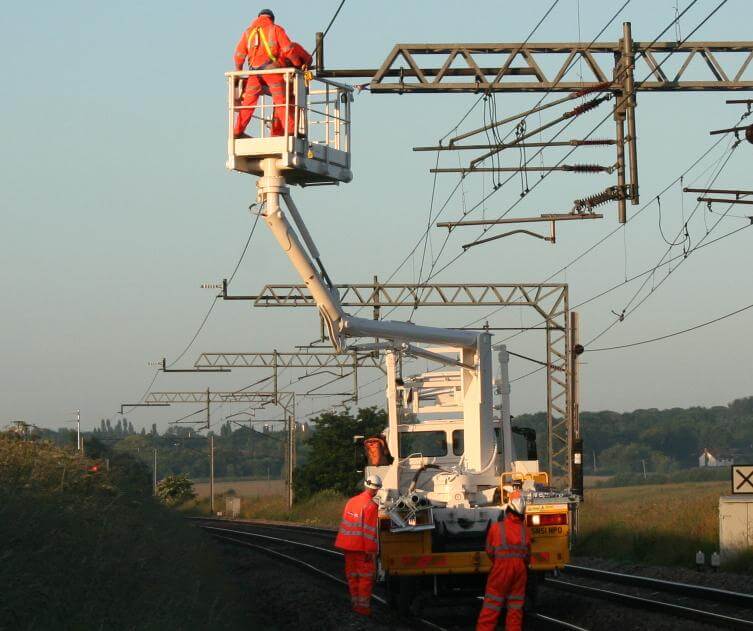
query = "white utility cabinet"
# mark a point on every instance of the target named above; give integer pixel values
(735, 524)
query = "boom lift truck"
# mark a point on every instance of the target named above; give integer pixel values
(446, 462)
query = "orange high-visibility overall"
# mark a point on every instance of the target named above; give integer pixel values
(508, 547)
(357, 536)
(265, 45)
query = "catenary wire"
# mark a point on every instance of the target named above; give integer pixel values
(533, 157)
(216, 298)
(206, 316)
(424, 235)
(653, 70)
(668, 335)
(614, 231)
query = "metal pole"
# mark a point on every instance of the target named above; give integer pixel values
(619, 118)
(355, 377)
(549, 410)
(291, 458)
(154, 474)
(503, 389)
(319, 52)
(78, 430)
(211, 473)
(274, 368)
(574, 377)
(207, 408)
(630, 102)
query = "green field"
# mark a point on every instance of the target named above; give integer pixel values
(660, 525)
(247, 489)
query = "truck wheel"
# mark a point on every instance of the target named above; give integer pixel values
(392, 586)
(532, 591)
(405, 595)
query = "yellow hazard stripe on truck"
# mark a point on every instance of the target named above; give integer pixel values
(410, 554)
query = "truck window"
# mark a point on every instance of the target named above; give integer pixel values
(428, 444)
(458, 442)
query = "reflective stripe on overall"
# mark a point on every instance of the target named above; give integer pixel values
(505, 586)
(258, 34)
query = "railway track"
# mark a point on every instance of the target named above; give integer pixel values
(316, 555)
(649, 594)
(311, 545)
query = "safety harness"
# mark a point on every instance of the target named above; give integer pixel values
(257, 34)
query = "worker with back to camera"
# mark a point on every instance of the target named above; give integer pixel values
(358, 538)
(509, 548)
(266, 46)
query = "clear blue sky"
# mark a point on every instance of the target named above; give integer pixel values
(116, 204)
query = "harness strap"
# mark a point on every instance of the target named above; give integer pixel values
(259, 32)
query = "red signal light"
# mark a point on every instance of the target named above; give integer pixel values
(556, 519)
(92, 468)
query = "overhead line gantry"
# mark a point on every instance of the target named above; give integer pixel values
(282, 398)
(548, 300)
(521, 68)
(320, 361)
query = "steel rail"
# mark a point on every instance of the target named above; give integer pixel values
(267, 524)
(699, 591)
(219, 534)
(641, 602)
(300, 562)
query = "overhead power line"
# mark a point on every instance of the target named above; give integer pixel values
(425, 234)
(334, 17)
(664, 337)
(214, 302)
(599, 124)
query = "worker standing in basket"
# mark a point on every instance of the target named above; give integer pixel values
(266, 46)
(357, 537)
(509, 548)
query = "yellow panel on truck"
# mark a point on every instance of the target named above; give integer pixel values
(410, 553)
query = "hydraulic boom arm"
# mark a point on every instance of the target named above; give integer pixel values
(341, 325)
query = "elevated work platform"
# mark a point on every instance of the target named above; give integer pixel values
(311, 138)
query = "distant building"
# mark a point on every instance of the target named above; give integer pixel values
(707, 459)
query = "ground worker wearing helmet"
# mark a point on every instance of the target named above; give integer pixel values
(508, 546)
(266, 45)
(358, 538)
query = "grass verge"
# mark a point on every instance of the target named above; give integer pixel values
(322, 509)
(87, 550)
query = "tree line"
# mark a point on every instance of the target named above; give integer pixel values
(662, 440)
(240, 451)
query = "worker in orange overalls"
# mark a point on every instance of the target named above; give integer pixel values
(266, 46)
(357, 536)
(509, 548)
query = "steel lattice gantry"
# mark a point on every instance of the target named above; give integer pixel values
(274, 360)
(282, 398)
(549, 300)
(520, 67)
(323, 361)
(549, 67)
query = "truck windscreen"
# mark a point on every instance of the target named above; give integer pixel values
(428, 444)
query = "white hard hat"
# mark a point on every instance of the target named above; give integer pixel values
(373, 482)
(516, 503)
